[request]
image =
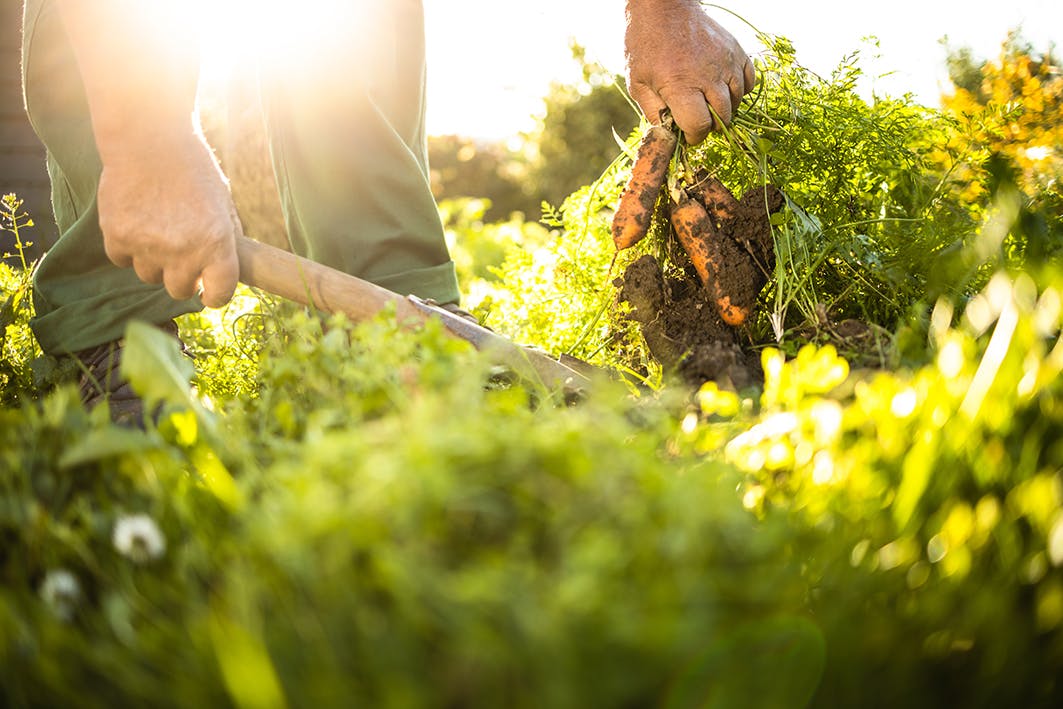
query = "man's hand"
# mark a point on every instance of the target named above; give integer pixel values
(680, 59)
(169, 214)
(165, 208)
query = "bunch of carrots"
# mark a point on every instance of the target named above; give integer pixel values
(700, 210)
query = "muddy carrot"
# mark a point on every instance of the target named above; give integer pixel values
(716, 199)
(633, 214)
(710, 255)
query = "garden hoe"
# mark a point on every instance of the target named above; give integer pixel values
(308, 283)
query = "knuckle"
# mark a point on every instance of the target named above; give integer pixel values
(644, 96)
(697, 130)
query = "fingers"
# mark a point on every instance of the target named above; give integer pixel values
(736, 87)
(750, 76)
(649, 101)
(118, 258)
(690, 109)
(220, 278)
(217, 280)
(147, 271)
(181, 284)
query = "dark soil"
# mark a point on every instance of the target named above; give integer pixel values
(678, 315)
(751, 228)
(682, 329)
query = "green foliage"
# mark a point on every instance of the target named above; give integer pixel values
(556, 292)
(575, 135)
(1007, 116)
(946, 483)
(478, 247)
(867, 219)
(340, 535)
(226, 344)
(463, 168)
(867, 214)
(18, 348)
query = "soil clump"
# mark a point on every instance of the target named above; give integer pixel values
(678, 314)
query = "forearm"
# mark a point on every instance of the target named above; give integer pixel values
(634, 6)
(139, 63)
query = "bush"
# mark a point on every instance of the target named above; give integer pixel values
(340, 535)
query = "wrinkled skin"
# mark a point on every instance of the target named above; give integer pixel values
(679, 58)
(185, 239)
(164, 204)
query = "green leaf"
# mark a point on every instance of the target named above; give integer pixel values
(217, 478)
(915, 476)
(7, 313)
(246, 667)
(156, 369)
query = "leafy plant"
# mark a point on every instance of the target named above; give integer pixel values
(867, 212)
(862, 540)
(17, 345)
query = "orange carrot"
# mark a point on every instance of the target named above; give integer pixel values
(695, 230)
(710, 254)
(716, 198)
(633, 214)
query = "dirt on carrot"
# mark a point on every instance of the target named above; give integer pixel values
(682, 329)
(716, 198)
(688, 316)
(635, 210)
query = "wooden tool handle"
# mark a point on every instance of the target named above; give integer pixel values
(309, 283)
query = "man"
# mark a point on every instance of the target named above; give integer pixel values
(146, 221)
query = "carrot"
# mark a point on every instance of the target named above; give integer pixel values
(711, 253)
(635, 211)
(716, 198)
(695, 231)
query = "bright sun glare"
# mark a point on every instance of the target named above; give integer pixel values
(490, 62)
(241, 31)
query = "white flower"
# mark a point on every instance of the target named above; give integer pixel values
(139, 538)
(62, 592)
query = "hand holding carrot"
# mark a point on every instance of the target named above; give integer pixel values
(680, 59)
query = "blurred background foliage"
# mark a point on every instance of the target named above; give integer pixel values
(573, 139)
(1012, 106)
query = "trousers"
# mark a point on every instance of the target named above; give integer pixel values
(343, 98)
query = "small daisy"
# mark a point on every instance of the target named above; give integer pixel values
(139, 538)
(62, 592)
